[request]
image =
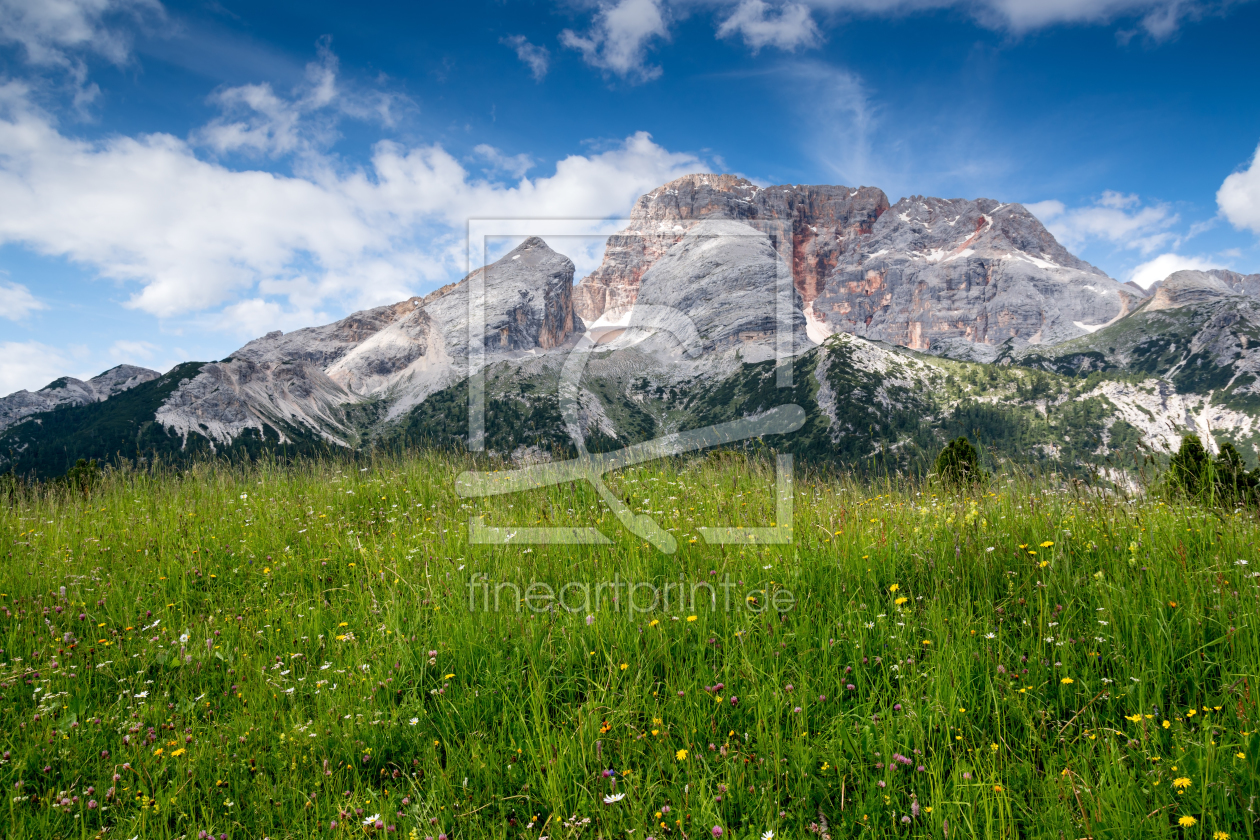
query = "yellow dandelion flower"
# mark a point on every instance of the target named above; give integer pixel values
(1047, 544)
(1187, 821)
(681, 755)
(1181, 783)
(691, 618)
(901, 600)
(624, 666)
(1067, 680)
(894, 587)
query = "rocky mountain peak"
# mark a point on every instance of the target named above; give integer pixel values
(404, 351)
(70, 391)
(817, 224)
(1187, 288)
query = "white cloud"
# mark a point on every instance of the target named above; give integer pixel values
(51, 31)
(514, 165)
(1158, 18)
(1165, 264)
(835, 105)
(257, 120)
(196, 235)
(16, 301)
(1239, 196)
(30, 365)
(1122, 220)
(132, 352)
(791, 27)
(618, 39)
(536, 58)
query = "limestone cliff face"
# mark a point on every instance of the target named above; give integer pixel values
(822, 223)
(930, 274)
(71, 391)
(405, 351)
(940, 271)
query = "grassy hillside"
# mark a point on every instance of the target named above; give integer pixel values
(309, 651)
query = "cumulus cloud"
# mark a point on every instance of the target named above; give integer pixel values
(1239, 197)
(536, 58)
(194, 235)
(16, 301)
(1119, 219)
(789, 27)
(51, 32)
(1160, 267)
(619, 38)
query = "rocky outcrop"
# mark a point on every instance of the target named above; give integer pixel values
(821, 222)
(938, 270)
(1241, 284)
(405, 351)
(1188, 288)
(722, 279)
(942, 275)
(71, 391)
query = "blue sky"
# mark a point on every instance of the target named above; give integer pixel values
(176, 178)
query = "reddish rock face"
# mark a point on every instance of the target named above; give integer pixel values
(927, 273)
(823, 222)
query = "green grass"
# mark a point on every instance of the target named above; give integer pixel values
(333, 669)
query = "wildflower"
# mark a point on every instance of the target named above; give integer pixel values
(414, 721)
(768, 834)
(372, 819)
(1220, 835)
(624, 666)
(1067, 681)
(894, 587)
(901, 600)
(681, 755)
(717, 831)
(1047, 544)
(1187, 821)
(691, 618)
(1181, 783)
(613, 798)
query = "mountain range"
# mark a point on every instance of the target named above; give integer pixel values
(895, 326)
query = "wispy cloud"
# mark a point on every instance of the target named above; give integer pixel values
(760, 25)
(257, 120)
(56, 32)
(619, 38)
(32, 365)
(16, 301)
(536, 58)
(1125, 221)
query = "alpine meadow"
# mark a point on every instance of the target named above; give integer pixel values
(315, 650)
